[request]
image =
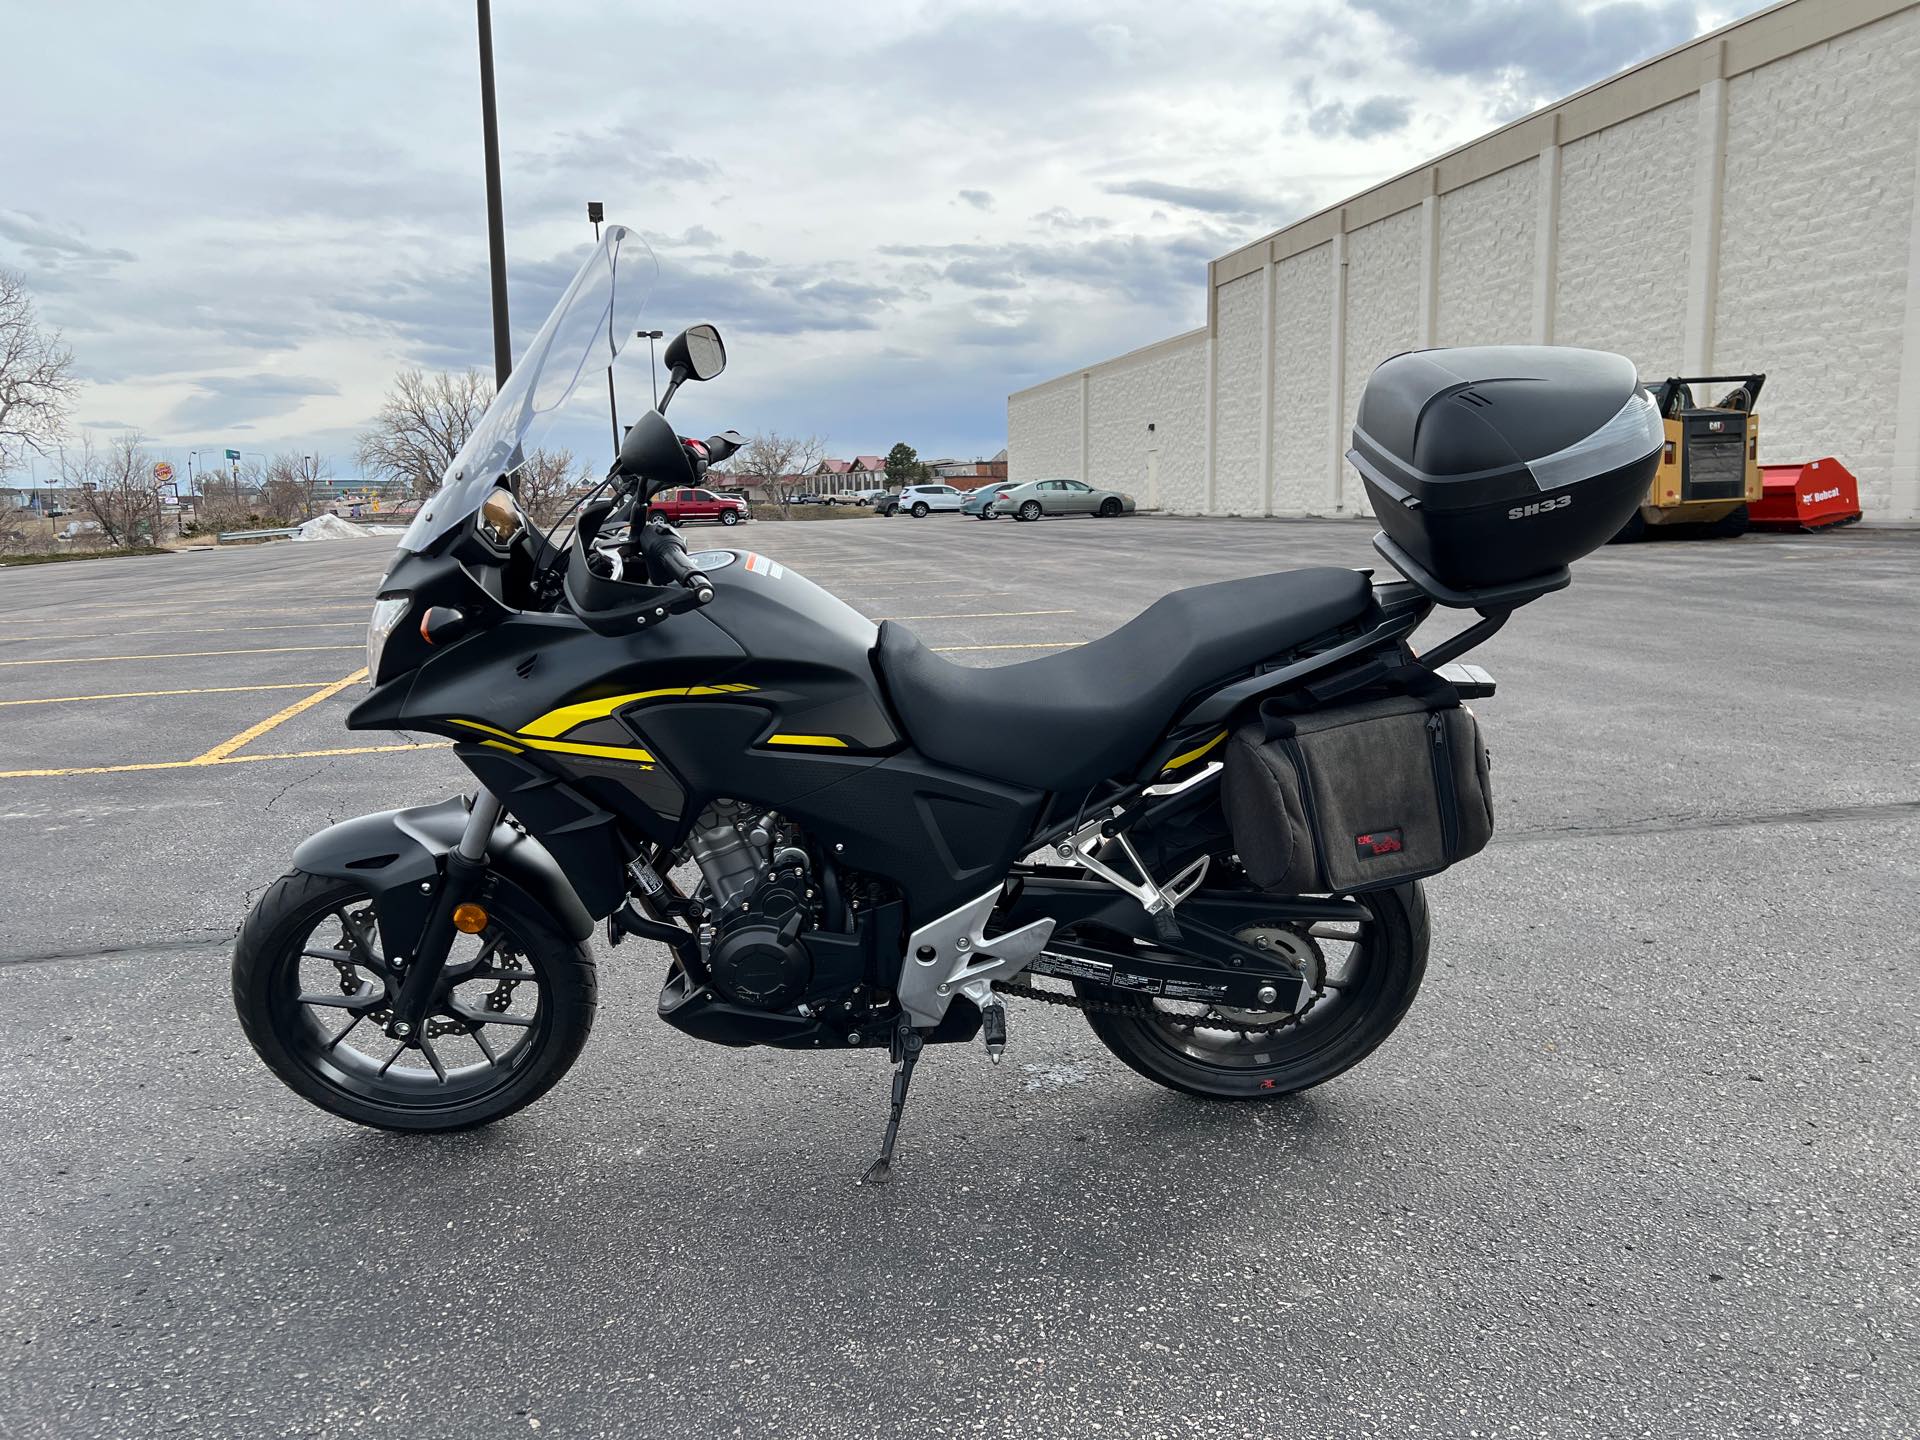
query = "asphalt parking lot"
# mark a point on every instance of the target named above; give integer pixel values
(1640, 1162)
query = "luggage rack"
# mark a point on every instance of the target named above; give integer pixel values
(1507, 597)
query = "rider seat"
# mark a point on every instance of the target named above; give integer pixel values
(1092, 713)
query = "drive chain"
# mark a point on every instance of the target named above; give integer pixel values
(1147, 1012)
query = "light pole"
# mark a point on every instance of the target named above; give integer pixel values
(496, 237)
(596, 212)
(650, 336)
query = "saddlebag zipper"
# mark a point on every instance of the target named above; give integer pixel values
(1443, 792)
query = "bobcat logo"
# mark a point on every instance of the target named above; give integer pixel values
(1539, 507)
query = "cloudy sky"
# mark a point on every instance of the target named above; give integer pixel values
(246, 217)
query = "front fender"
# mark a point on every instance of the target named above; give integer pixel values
(394, 852)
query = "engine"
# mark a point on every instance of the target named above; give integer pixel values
(759, 899)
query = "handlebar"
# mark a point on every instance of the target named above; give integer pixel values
(665, 554)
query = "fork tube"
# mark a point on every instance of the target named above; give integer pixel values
(481, 818)
(466, 870)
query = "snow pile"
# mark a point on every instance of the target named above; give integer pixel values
(331, 527)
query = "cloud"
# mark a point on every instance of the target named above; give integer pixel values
(1549, 46)
(231, 401)
(1214, 200)
(978, 199)
(1382, 115)
(42, 242)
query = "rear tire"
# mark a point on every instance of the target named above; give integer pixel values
(1028, 511)
(303, 1043)
(1733, 524)
(1340, 1030)
(920, 510)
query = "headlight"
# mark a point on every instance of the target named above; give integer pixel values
(500, 518)
(388, 612)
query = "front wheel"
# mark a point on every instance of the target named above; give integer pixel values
(313, 984)
(1028, 511)
(1109, 508)
(729, 517)
(1363, 975)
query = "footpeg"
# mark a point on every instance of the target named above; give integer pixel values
(1165, 926)
(907, 1044)
(993, 1028)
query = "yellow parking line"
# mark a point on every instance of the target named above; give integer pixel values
(254, 732)
(176, 630)
(1036, 645)
(179, 655)
(144, 694)
(196, 763)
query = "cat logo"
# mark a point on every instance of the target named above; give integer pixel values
(1539, 507)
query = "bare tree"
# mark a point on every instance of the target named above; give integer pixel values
(115, 488)
(36, 377)
(769, 462)
(422, 424)
(290, 488)
(547, 481)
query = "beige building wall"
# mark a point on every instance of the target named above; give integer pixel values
(1749, 201)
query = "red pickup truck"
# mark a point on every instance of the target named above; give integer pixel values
(680, 506)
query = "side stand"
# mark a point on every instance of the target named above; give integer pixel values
(907, 1044)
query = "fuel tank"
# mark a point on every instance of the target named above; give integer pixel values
(766, 694)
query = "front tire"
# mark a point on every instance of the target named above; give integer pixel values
(1362, 1005)
(311, 982)
(729, 517)
(1109, 508)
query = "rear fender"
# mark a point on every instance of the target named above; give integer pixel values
(396, 852)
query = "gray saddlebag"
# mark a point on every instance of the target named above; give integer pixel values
(1357, 796)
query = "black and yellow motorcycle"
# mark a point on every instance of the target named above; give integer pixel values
(1205, 830)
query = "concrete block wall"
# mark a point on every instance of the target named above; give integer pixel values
(1750, 201)
(1108, 410)
(1816, 245)
(1484, 285)
(1624, 227)
(1303, 431)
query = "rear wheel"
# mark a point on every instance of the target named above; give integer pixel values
(1362, 977)
(313, 984)
(1030, 510)
(920, 510)
(1733, 523)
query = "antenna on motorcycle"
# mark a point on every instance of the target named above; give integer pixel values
(694, 354)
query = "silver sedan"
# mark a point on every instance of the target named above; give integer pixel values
(1060, 497)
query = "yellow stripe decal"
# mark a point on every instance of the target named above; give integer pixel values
(559, 722)
(564, 747)
(1193, 754)
(823, 742)
(503, 745)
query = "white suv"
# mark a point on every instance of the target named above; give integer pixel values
(920, 501)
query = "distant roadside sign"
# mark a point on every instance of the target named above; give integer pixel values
(162, 471)
(233, 454)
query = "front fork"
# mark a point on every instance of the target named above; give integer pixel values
(465, 876)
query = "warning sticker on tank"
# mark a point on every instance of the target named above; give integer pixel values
(1069, 967)
(761, 565)
(1194, 990)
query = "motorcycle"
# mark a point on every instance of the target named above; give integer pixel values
(1206, 830)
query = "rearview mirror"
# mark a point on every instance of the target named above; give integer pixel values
(697, 352)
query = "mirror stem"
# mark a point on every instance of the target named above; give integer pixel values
(673, 383)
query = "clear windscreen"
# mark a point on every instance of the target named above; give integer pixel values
(593, 319)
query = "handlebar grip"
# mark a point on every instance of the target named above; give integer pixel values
(666, 555)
